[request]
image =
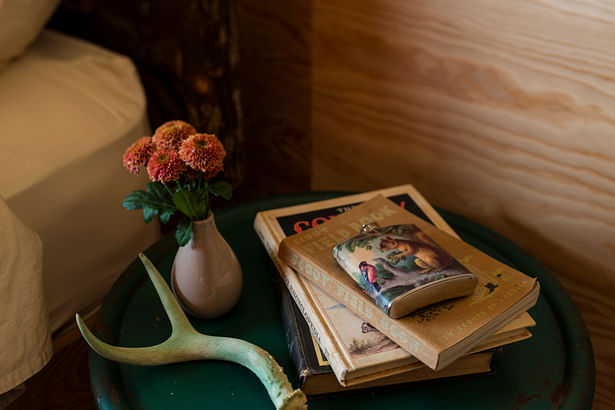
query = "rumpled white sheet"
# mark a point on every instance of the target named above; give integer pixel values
(24, 324)
(68, 110)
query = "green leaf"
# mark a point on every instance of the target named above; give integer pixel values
(165, 215)
(134, 200)
(221, 188)
(181, 200)
(140, 199)
(158, 191)
(149, 214)
(183, 234)
(191, 204)
(155, 201)
(383, 273)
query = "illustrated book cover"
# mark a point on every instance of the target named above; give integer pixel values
(351, 348)
(455, 326)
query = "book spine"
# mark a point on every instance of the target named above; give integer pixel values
(365, 309)
(294, 338)
(292, 282)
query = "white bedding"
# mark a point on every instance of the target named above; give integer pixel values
(24, 328)
(68, 110)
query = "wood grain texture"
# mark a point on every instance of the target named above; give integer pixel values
(274, 49)
(502, 111)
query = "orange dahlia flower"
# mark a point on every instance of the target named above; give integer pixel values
(165, 166)
(171, 134)
(138, 154)
(203, 152)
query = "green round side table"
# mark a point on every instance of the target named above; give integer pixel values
(553, 369)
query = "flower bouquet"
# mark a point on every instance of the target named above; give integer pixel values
(181, 164)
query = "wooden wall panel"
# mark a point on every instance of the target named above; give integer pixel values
(275, 75)
(503, 112)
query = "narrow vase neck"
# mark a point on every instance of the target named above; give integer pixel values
(202, 230)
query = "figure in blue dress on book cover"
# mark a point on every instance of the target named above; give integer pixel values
(387, 262)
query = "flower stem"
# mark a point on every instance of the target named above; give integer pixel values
(168, 189)
(207, 196)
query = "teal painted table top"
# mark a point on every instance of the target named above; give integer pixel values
(553, 369)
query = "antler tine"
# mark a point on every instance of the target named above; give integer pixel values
(178, 318)
(143, 356)
(185, 343)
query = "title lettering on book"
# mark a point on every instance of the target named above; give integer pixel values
(374, 216)
(310, 270)
(352, 300)
(318, 240)
(344, 295)
(307, 317)
(398, 335)
(324, 239)
(301, 225)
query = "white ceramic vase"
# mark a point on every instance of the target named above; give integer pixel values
(206, 276)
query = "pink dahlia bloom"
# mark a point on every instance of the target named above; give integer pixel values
(171, 134)
(138, 154)
(165, 166)
(203, 152)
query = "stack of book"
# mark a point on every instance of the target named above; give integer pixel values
(339, 339)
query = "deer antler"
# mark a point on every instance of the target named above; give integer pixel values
(185, 343)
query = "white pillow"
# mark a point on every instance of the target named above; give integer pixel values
(20, 23)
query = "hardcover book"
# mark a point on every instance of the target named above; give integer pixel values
(315, 378)
(455, 327)
(351, 348)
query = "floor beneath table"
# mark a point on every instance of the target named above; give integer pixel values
(63, 384)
